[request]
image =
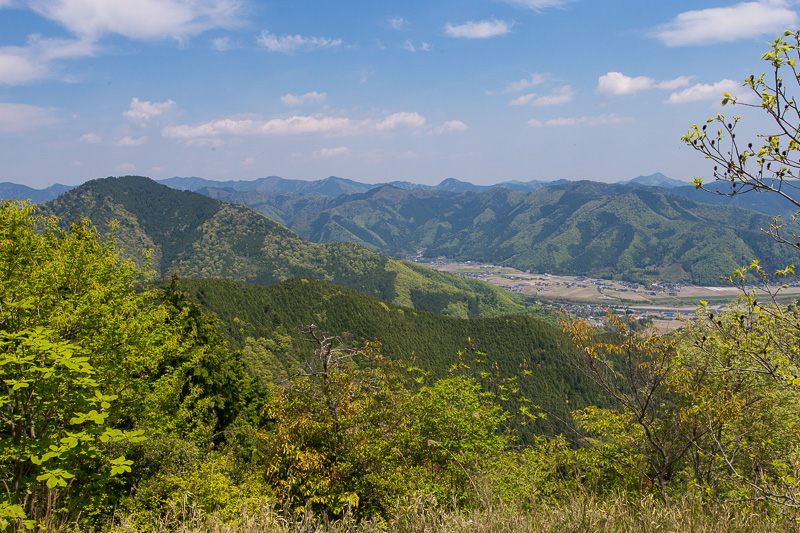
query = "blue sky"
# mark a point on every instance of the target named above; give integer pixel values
(482, 91)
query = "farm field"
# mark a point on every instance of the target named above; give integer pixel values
(664, 303)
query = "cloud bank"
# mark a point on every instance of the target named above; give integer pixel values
(288, 44)
(142, 19)
(143, 112)
(703, 91)
(539, 5)
(558, 96)
(727, 24)
(483, 29)
(601, 120)
(618, 84)
(17, 118)
(298, 100)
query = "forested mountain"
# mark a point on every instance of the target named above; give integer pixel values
(265, 323)
(632, 232)
(14, 191)
(333, 186)
(197, 236)
(655, 180)
(769, 204)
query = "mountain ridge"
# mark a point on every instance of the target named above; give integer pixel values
(201, 237)
(15, 191)
(637, 232)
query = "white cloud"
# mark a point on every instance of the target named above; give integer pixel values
(295, 43)
(17, 66)
(726, 24)
(36, 60)
(402, 119)
(296, 125)
(17, 118)
(90, 138)
(224, 44)
(209, 134)
(538, 5)
(478, 30)
(671, 85)
(450, 125)
(142, 112)
(89, 20)
(341, 151)
(601, 120)
(521, 85)
(618, 84)
(559, 96)
(248, 162)
(142, 19)
(130, 141)
(703, 91)
(523, 100)
(297, 100)
(397, 23)
(408, 45)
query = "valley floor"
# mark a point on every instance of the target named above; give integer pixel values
(664, 303)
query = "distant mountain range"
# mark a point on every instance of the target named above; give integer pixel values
(655, 180)
(14, 191)
(200, 237)
(333, 186)
(768, 204)
(638, 231)
(634, 232)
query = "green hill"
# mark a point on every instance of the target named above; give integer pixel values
(259, 320)
(200, 237)
(582, 228)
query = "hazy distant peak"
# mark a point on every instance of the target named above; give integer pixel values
(14, 191)
(656, 180)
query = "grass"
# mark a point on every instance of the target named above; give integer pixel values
(578, 513)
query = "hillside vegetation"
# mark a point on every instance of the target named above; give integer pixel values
(197, 236)
(125, 410)
(265, 322)
(583, 228)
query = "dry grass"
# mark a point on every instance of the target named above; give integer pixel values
(579, 514)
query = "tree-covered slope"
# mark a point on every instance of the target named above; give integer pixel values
(582, 228)
(256, 319)
(198, 236)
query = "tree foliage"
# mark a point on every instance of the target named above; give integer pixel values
(70, 328)
(92, 361)
(771, 162)
(345, 437)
